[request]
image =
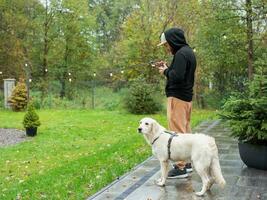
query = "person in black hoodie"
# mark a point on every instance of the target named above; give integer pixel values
(179, 88)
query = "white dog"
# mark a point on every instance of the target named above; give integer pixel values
(199, 148)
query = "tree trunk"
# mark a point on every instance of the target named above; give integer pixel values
(44, 85)
(65, 70)
(63, 88)
(250, 50)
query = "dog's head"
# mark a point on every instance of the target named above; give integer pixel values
(148, 126)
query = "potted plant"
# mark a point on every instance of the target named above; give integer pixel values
(31, 121)
(247, 116)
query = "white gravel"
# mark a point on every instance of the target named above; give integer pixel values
(11, 136)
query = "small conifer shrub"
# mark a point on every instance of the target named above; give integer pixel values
(31, 118)
(18, 99)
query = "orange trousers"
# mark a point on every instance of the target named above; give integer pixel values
(179, 116)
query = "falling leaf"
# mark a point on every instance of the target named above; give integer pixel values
(18, 197)
(21, 181)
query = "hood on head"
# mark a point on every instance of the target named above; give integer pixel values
(175, 38)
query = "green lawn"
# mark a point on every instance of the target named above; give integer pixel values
(76, 153)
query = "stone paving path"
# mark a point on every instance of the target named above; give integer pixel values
(242, 183)
(11, 137)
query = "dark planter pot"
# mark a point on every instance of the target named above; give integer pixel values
(31, 131)
(253, 155)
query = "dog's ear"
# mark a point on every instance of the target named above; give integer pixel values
(155, 127)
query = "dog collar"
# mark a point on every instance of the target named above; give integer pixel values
(171, 132)
(155, 140)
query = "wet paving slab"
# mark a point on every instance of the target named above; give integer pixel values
(242, 183)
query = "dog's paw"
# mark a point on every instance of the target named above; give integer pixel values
(199, 194)
(159, 180)
(160, 183)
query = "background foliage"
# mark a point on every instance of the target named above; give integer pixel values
(142, 98)
(64, 43)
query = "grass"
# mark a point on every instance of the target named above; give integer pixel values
(76, 152)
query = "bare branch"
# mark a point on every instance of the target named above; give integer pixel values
(170, 18)
(233, 17)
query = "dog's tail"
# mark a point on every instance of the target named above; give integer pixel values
(217, 173)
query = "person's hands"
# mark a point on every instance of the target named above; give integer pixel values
(162, 68)
(162, 65)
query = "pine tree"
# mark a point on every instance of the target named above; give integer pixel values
(248, 115)
(31, 119)
(18, 100)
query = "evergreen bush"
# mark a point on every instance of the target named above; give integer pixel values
(141, 98)
(18, 99)
(248, 115)
(31, 118)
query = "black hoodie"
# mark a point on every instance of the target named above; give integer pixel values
(180, 74)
